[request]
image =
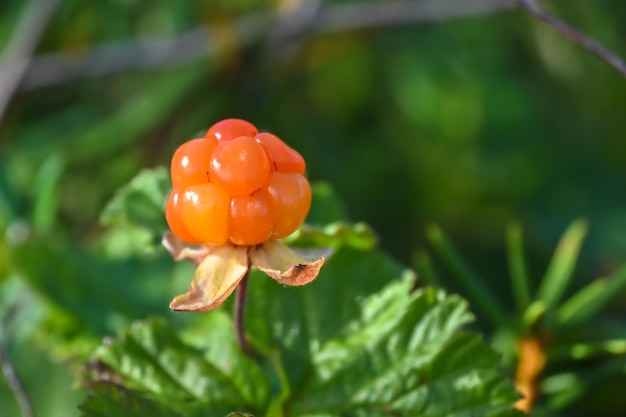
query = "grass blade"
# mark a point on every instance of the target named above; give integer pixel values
(581, 351)
(535, 311)
(517, 266)
(591, 299)
(561, 267)
(483, 299)
(425, 269)
(569, 312)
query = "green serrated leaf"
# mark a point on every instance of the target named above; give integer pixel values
(107, 399)
(354, 342)
(140, 204)
(141, 201)
(298, 319)
(126, 240)
(110, 400)
(347, 351)
(151, 360)
(407, 360)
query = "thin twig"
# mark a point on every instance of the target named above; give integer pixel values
(240, 306)
(356, 16)
(204, 42)
(147, 53)
(574, 35)
(18, 54)
(15, 384)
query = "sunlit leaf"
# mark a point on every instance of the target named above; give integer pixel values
(141, 202)
(334, 235)
(394, 352)
(162, 373)
(139, 206)
(356, 341)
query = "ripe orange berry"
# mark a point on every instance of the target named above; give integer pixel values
(190, 163)
(239, 166)
(236, 185)
(204, 210)
(291, 196)
(230, 129)
(174, 220)
(284, 158)
(251, 219)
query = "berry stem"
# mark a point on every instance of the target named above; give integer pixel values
(240, 304)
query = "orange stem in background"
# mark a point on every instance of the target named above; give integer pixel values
(532, 361)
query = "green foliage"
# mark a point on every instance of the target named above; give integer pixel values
(155, 364)
(562, 327)
(589, 301)
(334, 235)
(341, 345)
(135, 214)
(559, 272)
(472, 284)
(466, 123)
(393, 353)
(141, 202)
(359, 339)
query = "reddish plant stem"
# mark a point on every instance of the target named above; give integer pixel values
(240, 305)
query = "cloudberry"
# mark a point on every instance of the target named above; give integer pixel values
(237, 185)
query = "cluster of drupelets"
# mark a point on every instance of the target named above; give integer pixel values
(236, 185)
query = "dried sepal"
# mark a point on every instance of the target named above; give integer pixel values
(215, 279)
(179, 249)
(283, 264)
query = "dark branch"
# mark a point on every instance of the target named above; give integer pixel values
(357, 16)
(17, 56)
(280, 27)
(118, 57)
(576, 36)
(205, 42)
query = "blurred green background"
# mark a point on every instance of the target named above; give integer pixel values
(468, 123)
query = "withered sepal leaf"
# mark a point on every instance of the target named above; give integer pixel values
(283, 264)
(216, 277)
